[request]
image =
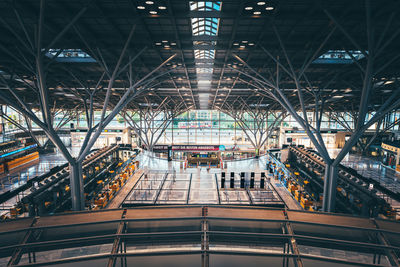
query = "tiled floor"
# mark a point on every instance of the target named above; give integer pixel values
(167, 183)
(372, 168)
(199, 186)
(10, 182)
(46, 162)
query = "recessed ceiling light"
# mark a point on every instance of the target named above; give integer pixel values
(164, 41)
(235, 43)
(166, 46)
(256, 12)
(245, 42)
(158, 43)
(153, 12)
(261, 3)
(248, 8)
(162, 7)
(251, 43)
(242, 46)
(140, 7)
(269, 8)
(149, 2)
(173, 43)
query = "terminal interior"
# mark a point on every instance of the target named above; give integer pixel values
(200, 133)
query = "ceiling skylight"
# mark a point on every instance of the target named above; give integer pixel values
(339, 57)
(205, 6)
(204, 54)
(70, 55)
(207, 27)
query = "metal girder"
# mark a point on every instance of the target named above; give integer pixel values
(253, 125)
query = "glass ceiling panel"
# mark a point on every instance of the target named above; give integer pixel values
(204, 54)
(70, 55)
(205, 6)
(209, 27)
(205, 26)
(339, 57)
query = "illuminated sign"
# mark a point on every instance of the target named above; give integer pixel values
(187, 148)
(390, 148)
(18, 150)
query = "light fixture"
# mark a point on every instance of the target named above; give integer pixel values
(162, 7)
(158, 43)
(251, 43)
(173, 43)
(248, 8)
(149, 2)
(245, 42)
(261, 3)
(235, 43)
(242, 46)
(256, 12)
(166, 46)
(153, 12)
(164, 41)
(269, 8)
(140, 7)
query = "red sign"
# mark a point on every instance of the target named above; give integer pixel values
(187, 148)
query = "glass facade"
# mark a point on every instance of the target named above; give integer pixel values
(195, 126)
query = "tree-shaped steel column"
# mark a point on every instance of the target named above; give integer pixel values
(35, 63)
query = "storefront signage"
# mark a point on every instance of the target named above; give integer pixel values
(301, 131)
(187, 148)
(390, 148)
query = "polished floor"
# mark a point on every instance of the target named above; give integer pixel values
(200, 185)
(372, 168)
(15, 180)
(170, 183)
(46, 162)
